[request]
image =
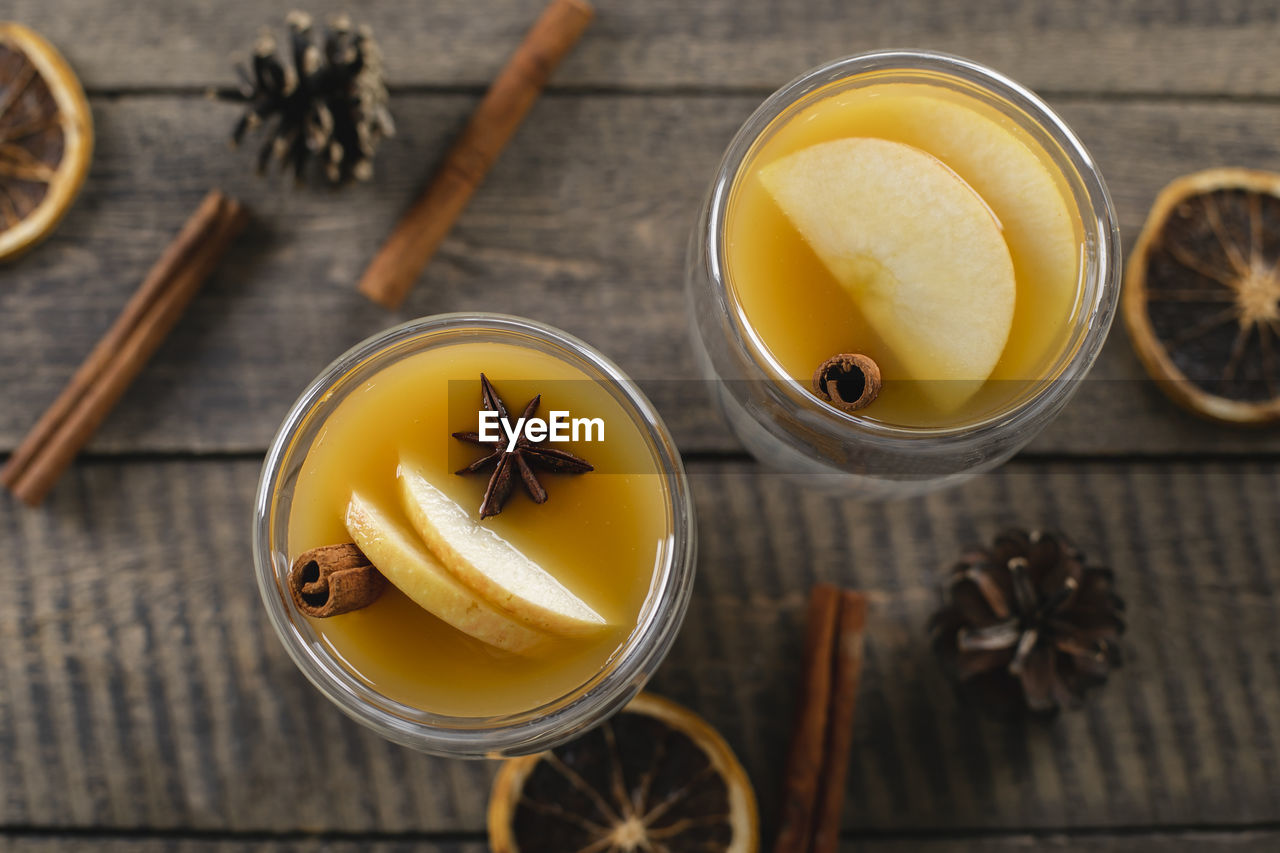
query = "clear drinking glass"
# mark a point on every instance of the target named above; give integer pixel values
(785, 426)
(471, 737)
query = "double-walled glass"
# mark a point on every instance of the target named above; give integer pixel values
(778, 419)
(531, 730)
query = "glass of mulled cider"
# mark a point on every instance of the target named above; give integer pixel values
(525, 516)
(914, 224)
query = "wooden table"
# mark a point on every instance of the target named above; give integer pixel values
(145, 704)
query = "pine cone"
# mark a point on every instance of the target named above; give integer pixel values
(1026, 625)
(330, 103)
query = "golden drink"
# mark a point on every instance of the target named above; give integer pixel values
(801, 312)
(601, 534)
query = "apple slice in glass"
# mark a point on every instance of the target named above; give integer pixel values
(489, 564)
(401, 557)
(918, 250)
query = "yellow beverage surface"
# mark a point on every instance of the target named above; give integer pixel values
(802, 315)
(601, 533)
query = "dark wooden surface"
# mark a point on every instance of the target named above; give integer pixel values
(146, 706)
(1207, 842)
(1236, 842)
(532, 243)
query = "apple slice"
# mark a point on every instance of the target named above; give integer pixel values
(491, 565)
(918, 250)
(406, 563)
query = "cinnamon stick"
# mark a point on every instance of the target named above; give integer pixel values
(420, 231)
(804, 762)
(813, 791)
(848, 380)
(847, 673)
(120, 354)
(334, 579)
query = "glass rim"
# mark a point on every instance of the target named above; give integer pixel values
(535, 729)
(1099, 292)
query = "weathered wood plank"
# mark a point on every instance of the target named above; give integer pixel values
(144, 844)
(1195, 842)
(1084, 45)
(926, 761)
(1242, 842)
(144, 677)
(141, 686)
(582, 224)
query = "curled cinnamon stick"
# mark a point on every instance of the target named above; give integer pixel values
(122, 352)
(808, 742)
(813, 791)
(846, 673)
(849, 381)
(334, 579)
(420, 231)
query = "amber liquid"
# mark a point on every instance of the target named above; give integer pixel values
(801, 313)
(602, 534)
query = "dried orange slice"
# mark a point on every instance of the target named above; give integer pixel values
(1202, 294)
(655, 777)
(46, 138)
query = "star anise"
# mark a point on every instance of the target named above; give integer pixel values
(526, 456)
(1027, 624)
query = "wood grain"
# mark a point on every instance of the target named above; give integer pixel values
(1158, 842)
(145, 706)
(582, 224)
(1154, 842)
(144, 844)
(142, 686)
(1081, 45)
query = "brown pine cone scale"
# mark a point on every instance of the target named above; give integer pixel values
(1025, 624)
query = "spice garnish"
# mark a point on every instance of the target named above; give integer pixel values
(400, 261)
(1202, 294)
(813, 785)
(334, 579)
(46, 138)
(655, 777)
(1028, 624)
(331, 104)
(849, 381)
(526, 456)
(146, 320)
